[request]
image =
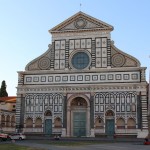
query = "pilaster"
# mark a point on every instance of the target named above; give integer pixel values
(67, 54)
(52, 56)
(18, 111)
(108, 53)
(68, 121)
(148, 118)
(144, 110)
(93, 53)
(143, 79)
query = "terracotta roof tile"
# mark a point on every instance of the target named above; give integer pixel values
(8, 99)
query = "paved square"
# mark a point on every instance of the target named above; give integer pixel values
(106, 146)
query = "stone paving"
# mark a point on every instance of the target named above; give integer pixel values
(106, 146)
(103, 144)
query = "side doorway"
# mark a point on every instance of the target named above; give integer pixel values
(110, 127)
(48, 127)
(48, 123)
(109, 123)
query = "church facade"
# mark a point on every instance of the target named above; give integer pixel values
(82, 85)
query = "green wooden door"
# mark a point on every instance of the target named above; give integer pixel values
(79, 124)
(110, 127)
(48, 126)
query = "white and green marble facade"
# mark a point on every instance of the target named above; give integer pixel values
(112, 85)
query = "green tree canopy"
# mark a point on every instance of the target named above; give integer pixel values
(3, 92)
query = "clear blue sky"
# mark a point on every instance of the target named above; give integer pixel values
(24, 26)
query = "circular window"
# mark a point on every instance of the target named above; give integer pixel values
(80, 60)
(80, 23)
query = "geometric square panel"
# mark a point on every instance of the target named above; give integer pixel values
(57, 79)
(98, 62)
(62, 54)
(110, 76)
(104, 62)
(88, 43)
(28, 79)
(57, 44)
(98, 42)
(79, 77)
(43, 78)
(134, 76)
(83, 43)
(102, 77)
(50, 78)
(118, 76)
(104, 42)
(94, 77)
(77, 44)
(62, 46)
(65, 78)
(72, 78)
(35, 79)
(98, 52)
(57, 54)
(87, 77)
(71, 44)
(126, 77)
(104, 52)
(62, 64)
(56, 64)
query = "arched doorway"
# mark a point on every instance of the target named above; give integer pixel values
(110, 123)
(48, 122)
(78, 116)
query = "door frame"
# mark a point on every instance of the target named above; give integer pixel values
(73, 121)
(45, 126)
(113, 131)
(70, 113)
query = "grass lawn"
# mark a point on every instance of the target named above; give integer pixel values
(16, 147)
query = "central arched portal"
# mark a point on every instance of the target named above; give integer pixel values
(78, 117)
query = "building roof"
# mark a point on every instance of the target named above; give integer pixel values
(9, 99)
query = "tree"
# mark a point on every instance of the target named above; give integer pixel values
(3, 92)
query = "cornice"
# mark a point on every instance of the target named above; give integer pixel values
(83, 30)
(137, 87)
(100, 70)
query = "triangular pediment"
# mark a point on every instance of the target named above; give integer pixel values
(81, 21)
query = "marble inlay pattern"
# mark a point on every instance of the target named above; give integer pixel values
(80, 23)
(118, 60)
(44, 63)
